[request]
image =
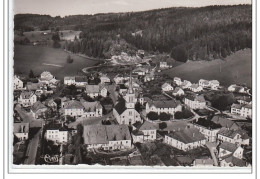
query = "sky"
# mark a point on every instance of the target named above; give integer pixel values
(73, 7)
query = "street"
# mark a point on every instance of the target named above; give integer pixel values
(32, 149)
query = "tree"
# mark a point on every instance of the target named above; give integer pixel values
(138, 107)
(179, 54)
(152, 116)
(162, 125)
(31, 74)
(43, 97)
(55, 37)
(164, 116)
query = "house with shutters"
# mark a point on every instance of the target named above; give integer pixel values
(38, 110)
(186, 139)
(169, 107)
(144, 132)
(58, 133)
(230, 155)
(96, 90)
(208, 128)
(27, 98)
(107, 137)
(167, 87)
(18, 83)
(21, 131)
(124, 111)
(195, 101)
(238, 136)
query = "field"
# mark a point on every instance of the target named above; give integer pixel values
(39, 59)
(236, 68)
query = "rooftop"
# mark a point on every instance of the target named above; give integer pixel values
(165, 104)
(187, 135)
(228, 146)
(21, 127)
(224, 122)
(207, 124)
(37, 106)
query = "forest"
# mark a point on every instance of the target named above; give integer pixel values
(204, 33)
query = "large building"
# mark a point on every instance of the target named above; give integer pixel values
(96, 90)
(79, 81)
(124, 111)
(47, 78)
(233, 136)
(107, 137)
(243, 110)
(195, 102)
(144, 132)
(169, 107)
(58, 133)
(186, 139)
(27, 98)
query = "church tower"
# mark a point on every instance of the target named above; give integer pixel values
(130, 95)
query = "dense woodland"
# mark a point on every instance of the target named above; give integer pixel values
(204, 33)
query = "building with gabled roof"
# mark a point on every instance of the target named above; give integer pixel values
(204, 83)
(177, 80)
(169, 107)
(144, 132)
(195, 88)
(21, 130)
(96, 90)
(58, 133)
(186, 139)
(18, 83)
(107, 137)
(243, 110)
(27, 98)
(47, 78)
(104, 79)
(178, 92)
(233, 136)
(167, 87)
(224, 122)
(195, 101)
(38, 110)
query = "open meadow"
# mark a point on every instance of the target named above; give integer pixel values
(39, 59)
(236, 68)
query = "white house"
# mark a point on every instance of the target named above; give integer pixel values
(47, 78)
(119, 79)
(214, 84)
(149, 77)
(27, 98)
(186, 84)
(233, 136)
(146, 132)
(92, 109)
(204, 83)
(236, 88)
(167, 87)
(38, 110)
(208, 128)
(177, 80)
(104, 79)
(140, 71)
(96, 90)
(164, 65)
(107, 137)
(79, 81)
(124, 111)
(195, 88)
(186, 139)
(195, 102)
(58, 133)
(178, 92)
(18, 83)
(243, 110)
(228, 153)
(21, 130)
(169, 107)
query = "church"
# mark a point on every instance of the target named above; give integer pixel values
(124, 111)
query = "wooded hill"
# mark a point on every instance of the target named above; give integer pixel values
(204, 33)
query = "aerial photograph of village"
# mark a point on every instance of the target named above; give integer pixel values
(132, 83)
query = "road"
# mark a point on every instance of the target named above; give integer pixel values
(212, 147)
(32, 149)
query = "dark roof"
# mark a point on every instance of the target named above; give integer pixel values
(199, 98)
(228, 146)
(137, 132)
(165, 104)
(232, 133)
(147, 126)
(187, 135)
(137, 125)
(122, 86)
(57, 126)
(207, 123)
(37, 106)
(224, 122)
(120, 107)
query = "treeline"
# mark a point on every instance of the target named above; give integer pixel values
(186, 33)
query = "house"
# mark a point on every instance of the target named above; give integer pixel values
(124, 111)
(167, 87)
(104, 79)
(27, 98)
(230, 154)
(186, 139)
(149, 77)
(177, 80)
(82, 108)
(204, 83)
(244, 100)
(144, 132)
(208, 128)
(243, 110)
(58, 133)
(164, 65)
(140, 71)
(178, 92)
(107, 137)
(51, 104)
(186, 84)
(205, 162)
(120, 79)
(224, 122)
(96, 90)
(169, 107)
(47, 78)
(18, 83)
(21, 131)
(214, 84)
(195, 101)
(79, 81)
(38, 110)
(195, 88)
(233, 136)
(236, 88)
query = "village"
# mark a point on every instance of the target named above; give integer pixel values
(140, 117)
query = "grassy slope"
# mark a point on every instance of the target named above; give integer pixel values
(33, 57)
(237, 63)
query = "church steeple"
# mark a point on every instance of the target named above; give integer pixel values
(130, 95)
(130, 89)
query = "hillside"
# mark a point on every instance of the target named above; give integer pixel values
(236, 68)
(186, 33)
